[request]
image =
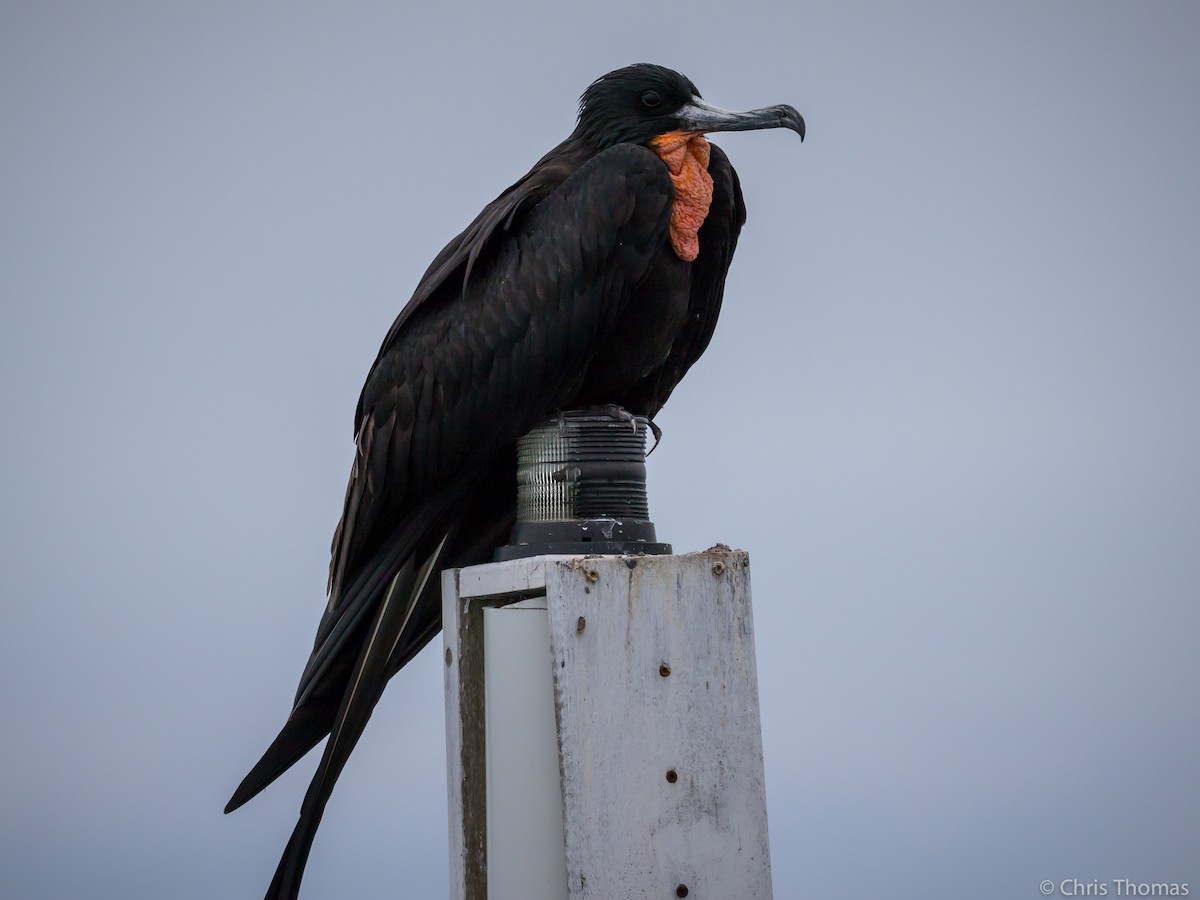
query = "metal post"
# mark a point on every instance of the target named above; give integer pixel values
(603, 733)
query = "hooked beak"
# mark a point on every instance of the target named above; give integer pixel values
(701, 116)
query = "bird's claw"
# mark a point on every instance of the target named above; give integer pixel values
(620, 413)
(657, 432)
(613, 411)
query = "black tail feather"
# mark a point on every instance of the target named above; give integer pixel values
(391, 626)
(303, 731)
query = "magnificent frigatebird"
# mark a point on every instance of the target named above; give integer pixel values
(594, 280)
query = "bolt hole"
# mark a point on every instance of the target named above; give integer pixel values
(672, 776)
(664, 670)
(681, 891)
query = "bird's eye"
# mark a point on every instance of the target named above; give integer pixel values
(651, 99)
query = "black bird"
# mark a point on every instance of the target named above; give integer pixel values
(594, 280)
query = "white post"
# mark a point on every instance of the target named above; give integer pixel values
(603, 733)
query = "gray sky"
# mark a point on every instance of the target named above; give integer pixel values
(952, 409)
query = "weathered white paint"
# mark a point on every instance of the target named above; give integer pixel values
(625, 723)
(652, 665)
(496, 581)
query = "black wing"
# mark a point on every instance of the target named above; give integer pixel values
(452, 267)
(463, 375)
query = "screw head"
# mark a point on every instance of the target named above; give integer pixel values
(664, 670)
(718, 568)
(681, 891)
(581, 624)
(672, 776)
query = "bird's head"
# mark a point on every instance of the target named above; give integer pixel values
(639, 103)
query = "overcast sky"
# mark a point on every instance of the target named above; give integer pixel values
(952, 409)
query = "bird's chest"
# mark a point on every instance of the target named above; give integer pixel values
(686, 154)
(643, 334)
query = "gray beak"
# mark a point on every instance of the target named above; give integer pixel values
(701, 116)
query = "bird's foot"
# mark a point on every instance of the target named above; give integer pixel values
(620, 413)
(613, 411)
